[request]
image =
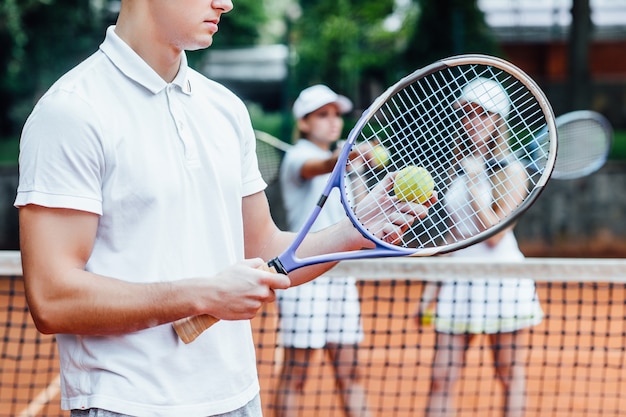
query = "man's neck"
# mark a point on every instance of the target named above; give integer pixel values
(143, 38)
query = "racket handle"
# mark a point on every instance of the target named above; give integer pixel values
(189, 328)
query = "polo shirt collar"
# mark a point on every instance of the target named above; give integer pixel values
(135, 68)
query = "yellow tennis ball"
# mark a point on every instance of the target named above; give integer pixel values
(413, 184)
(380, 156)
(428, 317)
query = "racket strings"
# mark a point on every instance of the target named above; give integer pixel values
(424, 124)
(270, 152)
(269, 162)
(591, 146)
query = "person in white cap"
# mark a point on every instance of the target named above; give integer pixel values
(499, 309)
(323, 314)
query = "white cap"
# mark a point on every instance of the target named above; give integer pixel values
(314, 97)
(488, 94)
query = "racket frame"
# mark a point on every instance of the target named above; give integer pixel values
(288, 261)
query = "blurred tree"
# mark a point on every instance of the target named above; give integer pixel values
(42, 39)
(345, 44)
(242, 26)
(446, 28)
(237, 29)
(349, 44)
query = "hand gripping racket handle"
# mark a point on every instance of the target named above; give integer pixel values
(189, 328)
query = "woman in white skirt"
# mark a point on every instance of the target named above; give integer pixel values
(499, 309)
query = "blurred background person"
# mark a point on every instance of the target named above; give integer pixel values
(324, 313)
(499, 309)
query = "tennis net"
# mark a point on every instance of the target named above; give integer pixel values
(573, 360)
(29, 365)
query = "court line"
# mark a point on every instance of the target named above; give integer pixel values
(43, 398)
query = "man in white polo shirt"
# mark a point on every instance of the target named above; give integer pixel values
(140, 204)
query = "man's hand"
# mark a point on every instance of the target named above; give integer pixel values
(387, 217)
(238, 292)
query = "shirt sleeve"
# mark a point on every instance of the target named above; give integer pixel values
(252, 181)
(61, 158)
(294, 159)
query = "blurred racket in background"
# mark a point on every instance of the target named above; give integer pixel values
(270, 151)
(584, 141)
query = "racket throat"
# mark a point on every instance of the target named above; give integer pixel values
(278, 266)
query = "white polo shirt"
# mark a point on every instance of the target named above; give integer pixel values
(166, 167)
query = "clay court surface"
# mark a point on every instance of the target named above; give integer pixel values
(575, 358)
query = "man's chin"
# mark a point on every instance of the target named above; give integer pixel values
(201, 44)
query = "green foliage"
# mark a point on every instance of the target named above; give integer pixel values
(268, 122)
(343, 44)
(446, 28)
(618, 150)
(42, 39)
(9, 151)
(240, 27)
(346, 44)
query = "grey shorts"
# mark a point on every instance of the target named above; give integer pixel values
(252, 409)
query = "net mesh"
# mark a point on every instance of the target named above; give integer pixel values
(29, 363)
(573, 361)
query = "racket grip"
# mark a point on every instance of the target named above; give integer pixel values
(189, 328)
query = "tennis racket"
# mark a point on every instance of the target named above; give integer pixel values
(418, 121)
(269, 151)
(584, 141)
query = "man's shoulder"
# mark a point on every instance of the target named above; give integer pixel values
(84, 78)
(72, 95)
(87, 69)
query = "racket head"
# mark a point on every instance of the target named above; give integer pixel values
(419, 121)
(585, 138)
(270, 152)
